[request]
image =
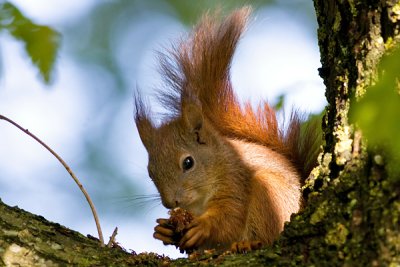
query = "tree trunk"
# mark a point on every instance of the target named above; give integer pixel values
(352, 214)
(353, 205)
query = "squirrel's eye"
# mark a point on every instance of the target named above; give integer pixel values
(187, 163)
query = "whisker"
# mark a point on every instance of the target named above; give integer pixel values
(155, 205)
(139, 201)
(137, 197)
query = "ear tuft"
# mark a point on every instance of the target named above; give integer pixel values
(143, 123)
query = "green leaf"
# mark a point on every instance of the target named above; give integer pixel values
(190, 11)
(280, 102)
(41, 42)
(378, 112)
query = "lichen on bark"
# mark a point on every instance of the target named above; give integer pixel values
(360, 217)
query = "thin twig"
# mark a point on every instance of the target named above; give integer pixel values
(96, 218)
(112, 238)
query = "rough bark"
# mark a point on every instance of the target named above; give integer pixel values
(352, 213)
(353, 204)
(31, 240)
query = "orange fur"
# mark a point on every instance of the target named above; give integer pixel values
(245, 179)
(199, 66)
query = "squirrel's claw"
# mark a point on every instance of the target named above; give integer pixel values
(245, 246)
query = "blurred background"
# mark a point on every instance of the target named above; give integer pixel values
(108, 49)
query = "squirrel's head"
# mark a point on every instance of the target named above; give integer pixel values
(182, 155)
(185, 153)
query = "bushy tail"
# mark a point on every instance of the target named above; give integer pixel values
(199, 66)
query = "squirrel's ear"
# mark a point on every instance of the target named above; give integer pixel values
(192, 116)
(143, 123)
(146, 130)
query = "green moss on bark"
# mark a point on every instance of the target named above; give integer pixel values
(30, 240)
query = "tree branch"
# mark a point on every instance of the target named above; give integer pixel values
(89, 200)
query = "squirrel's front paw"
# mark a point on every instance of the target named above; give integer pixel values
(164, 232)
(198, 231)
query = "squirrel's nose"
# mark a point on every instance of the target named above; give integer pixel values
(170, 204)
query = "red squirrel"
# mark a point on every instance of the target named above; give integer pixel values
(229, 165)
